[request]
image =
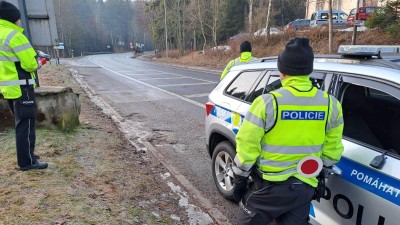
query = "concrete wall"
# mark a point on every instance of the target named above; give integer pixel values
(57, 108)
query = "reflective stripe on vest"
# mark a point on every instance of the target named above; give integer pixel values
(9, 59)
(270, 110)
(291, 149)
(16, 82)
(237, 61)
(22, 47)
(335, 112)
(9, 37)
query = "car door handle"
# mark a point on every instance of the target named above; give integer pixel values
(336, 170)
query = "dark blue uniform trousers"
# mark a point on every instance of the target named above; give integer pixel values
(24, 110)
(287, 202)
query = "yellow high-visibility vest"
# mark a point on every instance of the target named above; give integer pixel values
(244, 58)
(17, 60)
(283, 127)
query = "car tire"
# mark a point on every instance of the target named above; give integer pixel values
(222, 161)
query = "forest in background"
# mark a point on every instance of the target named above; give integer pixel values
(95, 26)
(197, 24)
(89, 26)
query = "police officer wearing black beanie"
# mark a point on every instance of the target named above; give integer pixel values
(245, 57)
(9, 12)
(282, 130)
(17, 82)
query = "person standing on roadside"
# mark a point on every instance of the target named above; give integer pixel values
(245, 57)
(17, 82)
(282, 130)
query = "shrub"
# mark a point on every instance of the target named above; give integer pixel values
(388, 20)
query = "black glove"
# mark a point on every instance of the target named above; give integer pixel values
(239, 188)
(320, 191)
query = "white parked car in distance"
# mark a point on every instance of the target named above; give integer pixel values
(263, 31)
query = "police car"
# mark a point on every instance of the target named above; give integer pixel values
(366, 187)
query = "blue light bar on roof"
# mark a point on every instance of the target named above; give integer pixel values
(368, 50)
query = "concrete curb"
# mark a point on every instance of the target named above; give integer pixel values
(214, 213)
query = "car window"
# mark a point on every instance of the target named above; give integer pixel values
(313, 16)
(353, 11)
(371, 116)
(259, 90)
(362, 10)
(324, 16)
(274, 82)
(370, 10)
(334, 16)
(241, 86)
(343, 16)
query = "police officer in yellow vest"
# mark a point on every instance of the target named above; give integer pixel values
(245, 57)
(17, 81)
(280, 129)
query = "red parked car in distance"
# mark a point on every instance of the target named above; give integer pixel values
(363, 14)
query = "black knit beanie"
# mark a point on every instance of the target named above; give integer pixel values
(297, 58)
(9, 12)
(245, 47)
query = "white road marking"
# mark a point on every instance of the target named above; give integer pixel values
(143, 74)
(173, 85)
(164, 78)
(193, 78)
(166, 73)
(197, 95)
(152, 86)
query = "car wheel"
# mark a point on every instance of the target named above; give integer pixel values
(222, 161)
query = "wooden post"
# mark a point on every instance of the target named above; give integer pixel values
(353, 38)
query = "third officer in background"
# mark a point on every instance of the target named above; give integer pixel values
(280, 129)
(245, 57)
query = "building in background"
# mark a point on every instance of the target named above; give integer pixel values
(39, 21)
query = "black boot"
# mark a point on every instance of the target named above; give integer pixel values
(37, 165)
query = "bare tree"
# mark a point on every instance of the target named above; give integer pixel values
(166, 30)
(178, 28)
(250, 16)
(215, 12)
(200, 17)
(267, 26)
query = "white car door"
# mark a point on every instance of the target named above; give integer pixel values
(367, 193)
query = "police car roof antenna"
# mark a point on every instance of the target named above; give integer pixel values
(379, 55)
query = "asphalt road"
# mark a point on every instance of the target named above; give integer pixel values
(169, 102)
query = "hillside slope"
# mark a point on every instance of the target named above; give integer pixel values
(318, 40)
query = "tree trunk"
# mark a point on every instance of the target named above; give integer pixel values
(166, 30)
(215, 21)
(267, 25)
(330, 26)
(202, 26)
(250, 16)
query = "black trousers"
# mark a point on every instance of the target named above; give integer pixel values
(24, 110)
(287, 202)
